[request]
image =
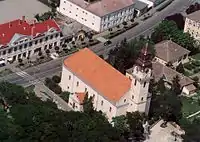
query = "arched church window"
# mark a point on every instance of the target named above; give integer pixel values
(132, 97)
(142, 99)
(144, 84)
(101, 102)
(124, 100)
(135, 82)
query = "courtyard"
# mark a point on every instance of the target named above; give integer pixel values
(15, 9)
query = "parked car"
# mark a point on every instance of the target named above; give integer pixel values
(54, 56)
(107, 43)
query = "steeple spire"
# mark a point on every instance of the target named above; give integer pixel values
(144, 58)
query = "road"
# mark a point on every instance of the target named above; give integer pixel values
(45, 70)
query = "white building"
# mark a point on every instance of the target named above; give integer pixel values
(113, 93)
(98, 15)
(22, 39)
(192, 25)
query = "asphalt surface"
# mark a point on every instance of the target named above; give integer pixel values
(145, 28)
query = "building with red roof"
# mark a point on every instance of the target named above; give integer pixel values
(21, 39)
(113, 93)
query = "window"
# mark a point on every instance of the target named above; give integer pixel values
(85, 89)
(93, 95)
(77, 8)
(83, 11)
(124, 100)
(67, 87)
(132, 97)
(15, 49)
(64, 1)
(69, 77)
(4, 52)
(101, 102)
(135, 82)
(20, 47)
(70, 12)
(46, 38)
(51, 36)
(77, 83)
(10, 50)
(36, 42)
(55, 43)
(76, 15)
(142, 99)
(92, 23)
(25, 45)
(41, 40)
(110, 109)
(30, 44)
(56, 35)
(63, 8)
(185, 56)
(144, 84)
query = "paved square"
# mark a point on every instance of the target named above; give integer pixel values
(15, 9)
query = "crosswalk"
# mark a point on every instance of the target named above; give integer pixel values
(32, 80)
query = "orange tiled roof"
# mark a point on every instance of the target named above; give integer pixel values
(80, 96)
(98, 74)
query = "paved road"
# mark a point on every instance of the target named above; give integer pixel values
(55, 66)
(147, 26)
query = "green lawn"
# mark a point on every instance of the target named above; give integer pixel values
(190, 106)
(196, 56)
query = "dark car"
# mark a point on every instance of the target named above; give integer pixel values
(107, 43)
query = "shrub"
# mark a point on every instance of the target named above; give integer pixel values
(65, 96)
(195, 78)
(196, 70)
(57, 89)
(56, 79)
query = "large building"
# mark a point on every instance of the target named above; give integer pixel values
(192, 25)
(113, 93)
(99, 15)
(22, 39)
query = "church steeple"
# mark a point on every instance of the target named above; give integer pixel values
(144, 59)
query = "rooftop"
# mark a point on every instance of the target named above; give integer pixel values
(98, 74)
(170, 51)
(103, 7)
(160, 70)
(195, 16)
(22, 27)
(80, 96)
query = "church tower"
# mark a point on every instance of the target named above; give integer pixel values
(141, 75)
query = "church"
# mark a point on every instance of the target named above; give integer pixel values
(113, 93)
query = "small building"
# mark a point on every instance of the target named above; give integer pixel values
(113, 93)
(160, 70)
(192, 25)
(168, 51)
(20, 39)
(152, 3)
(98, 15)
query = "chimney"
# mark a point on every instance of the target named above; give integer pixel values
(24, 28)
(23, 18)
(3, 34)
(34, 22)
(10, 25)
(32, 30)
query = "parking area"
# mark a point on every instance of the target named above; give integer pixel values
(15, 9)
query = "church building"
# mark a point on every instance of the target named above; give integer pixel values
(113, 93)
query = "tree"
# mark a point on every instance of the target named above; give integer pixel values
(65, 95)
(161, 85)
(47, 52)
(44, 122)
(176, 87)
(37, 17)
(180, 68)
(178, 19)
(88, 104)
(56, 79)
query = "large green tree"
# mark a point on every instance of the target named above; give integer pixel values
(31, 120)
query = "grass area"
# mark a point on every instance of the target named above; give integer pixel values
(196, 56)
(30, 88)
(5, 72)
(190, 105)
(188, 73)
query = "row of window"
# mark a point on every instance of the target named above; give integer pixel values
(135, 83)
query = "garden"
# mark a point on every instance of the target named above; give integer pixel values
(192, 67)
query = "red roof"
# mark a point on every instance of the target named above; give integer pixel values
(8, 30)
(80, 96)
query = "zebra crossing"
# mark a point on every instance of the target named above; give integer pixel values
(32, 80)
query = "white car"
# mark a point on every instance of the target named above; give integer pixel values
(54, 56)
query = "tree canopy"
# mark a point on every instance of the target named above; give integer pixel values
(31, 120)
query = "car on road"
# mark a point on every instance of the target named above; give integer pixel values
(54, 56)
(107, 43)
